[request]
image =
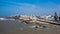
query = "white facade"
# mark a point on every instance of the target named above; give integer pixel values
(33, 18)
(49, 16)
(24, 16)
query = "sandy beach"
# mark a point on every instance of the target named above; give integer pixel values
(15, 27)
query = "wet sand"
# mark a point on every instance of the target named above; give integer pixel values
(14, 27)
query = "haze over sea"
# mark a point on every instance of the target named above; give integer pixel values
(29, 7)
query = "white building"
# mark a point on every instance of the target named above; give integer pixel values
(49, 17)
(33, 18)
(24, 17)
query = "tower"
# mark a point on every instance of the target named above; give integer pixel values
(55, 17)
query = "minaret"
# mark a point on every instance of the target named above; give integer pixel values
(55, 17)
(59, 17)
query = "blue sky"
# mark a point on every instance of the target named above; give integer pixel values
(29, 7)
